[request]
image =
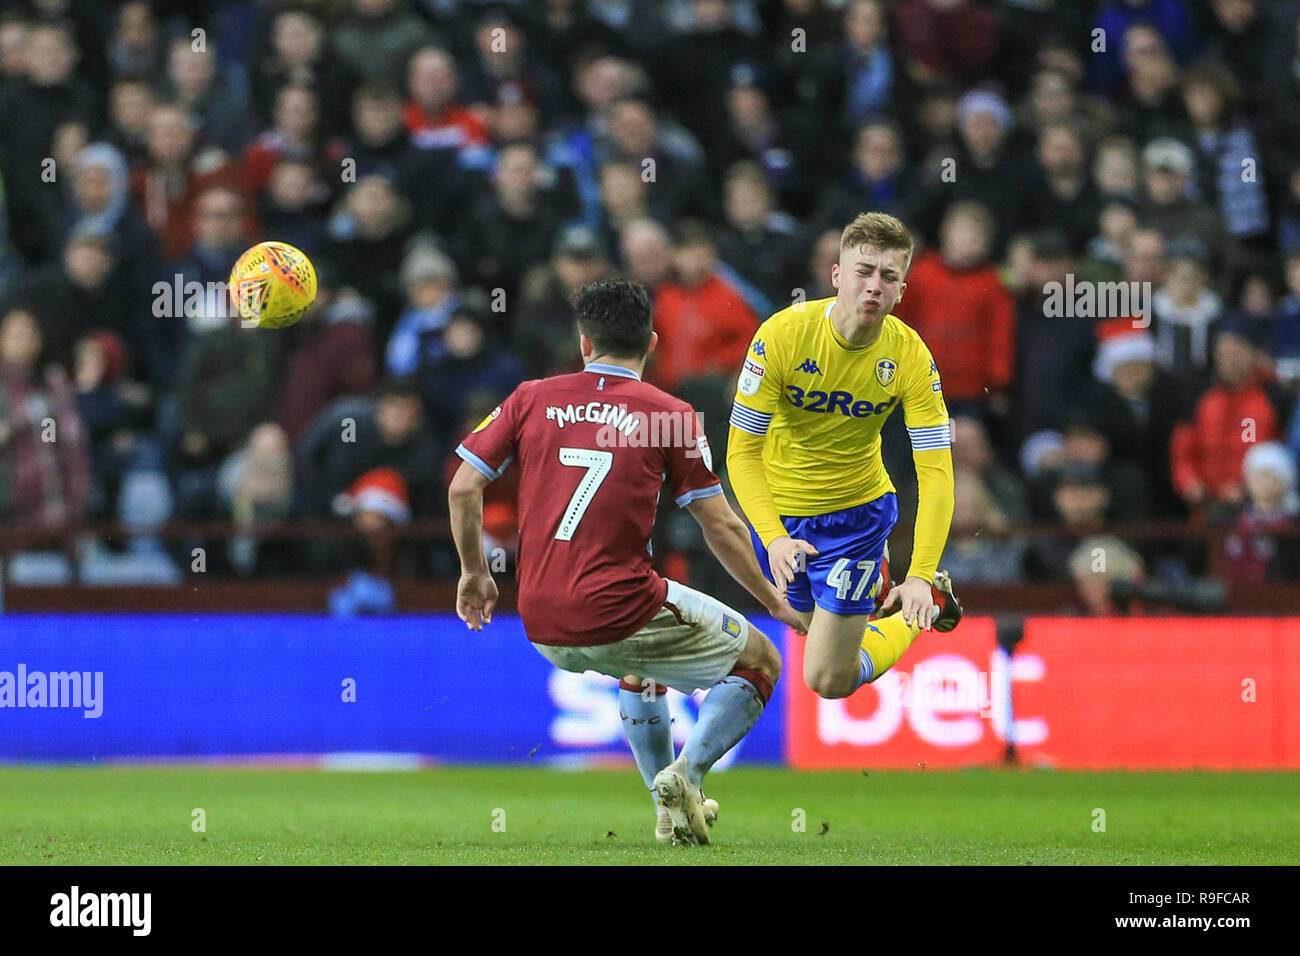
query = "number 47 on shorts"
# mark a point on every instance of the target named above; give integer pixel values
(841, 578)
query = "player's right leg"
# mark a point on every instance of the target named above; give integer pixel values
(834, 663)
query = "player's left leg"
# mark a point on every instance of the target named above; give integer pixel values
(731, 708)
(886, 639)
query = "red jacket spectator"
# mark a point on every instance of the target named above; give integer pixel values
(338, 359)
(1207, 452)
(166, 199)
(453, 128)
(967, 319)
(266, 152)
(44, 465)
(432, 114)
(703, 330)
(953, 41)
(165, 187)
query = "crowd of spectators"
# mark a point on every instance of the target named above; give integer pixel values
(457, 169)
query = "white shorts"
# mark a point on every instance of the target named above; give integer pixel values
(693, 642)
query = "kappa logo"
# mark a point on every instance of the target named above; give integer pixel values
(759, 348)
(886, 369)
(810, 366)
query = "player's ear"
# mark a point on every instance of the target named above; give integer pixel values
(901, 289)
(654, 343)
(585, 345)
(835, 275)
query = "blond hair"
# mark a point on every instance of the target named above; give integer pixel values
(877, 229)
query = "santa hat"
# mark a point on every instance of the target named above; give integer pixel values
(1120, 342)
(382, 490)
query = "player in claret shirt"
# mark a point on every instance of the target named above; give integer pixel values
(593, 450)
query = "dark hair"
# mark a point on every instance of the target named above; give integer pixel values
(692, 232)
(615, 314)
(377, 90)
(398, 387)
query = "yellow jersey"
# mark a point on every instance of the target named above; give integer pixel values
(819, 405)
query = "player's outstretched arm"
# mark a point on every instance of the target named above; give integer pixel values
(934, 508)
(728, 538)
(749, 481)
(930, 431)
(476, 593)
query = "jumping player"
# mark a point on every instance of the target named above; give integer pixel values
(804, 458)
(593, 450)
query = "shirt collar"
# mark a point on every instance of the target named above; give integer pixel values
(600, 368)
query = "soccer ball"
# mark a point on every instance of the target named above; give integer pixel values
(272, 284)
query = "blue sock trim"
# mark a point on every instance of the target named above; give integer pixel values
(868, 669)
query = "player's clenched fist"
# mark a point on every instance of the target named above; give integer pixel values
(476, 596)
(783, 558)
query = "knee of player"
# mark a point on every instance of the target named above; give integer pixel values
(829, 684)
(767, 659)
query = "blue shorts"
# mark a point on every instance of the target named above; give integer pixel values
(851, 546)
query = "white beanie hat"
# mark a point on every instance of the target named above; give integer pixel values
(1271, 456)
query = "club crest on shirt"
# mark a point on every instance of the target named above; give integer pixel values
(885, 371)
(731, 625)
(487, 421)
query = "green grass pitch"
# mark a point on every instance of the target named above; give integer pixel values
(137, 815)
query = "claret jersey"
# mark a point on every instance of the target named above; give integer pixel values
(593, 450)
